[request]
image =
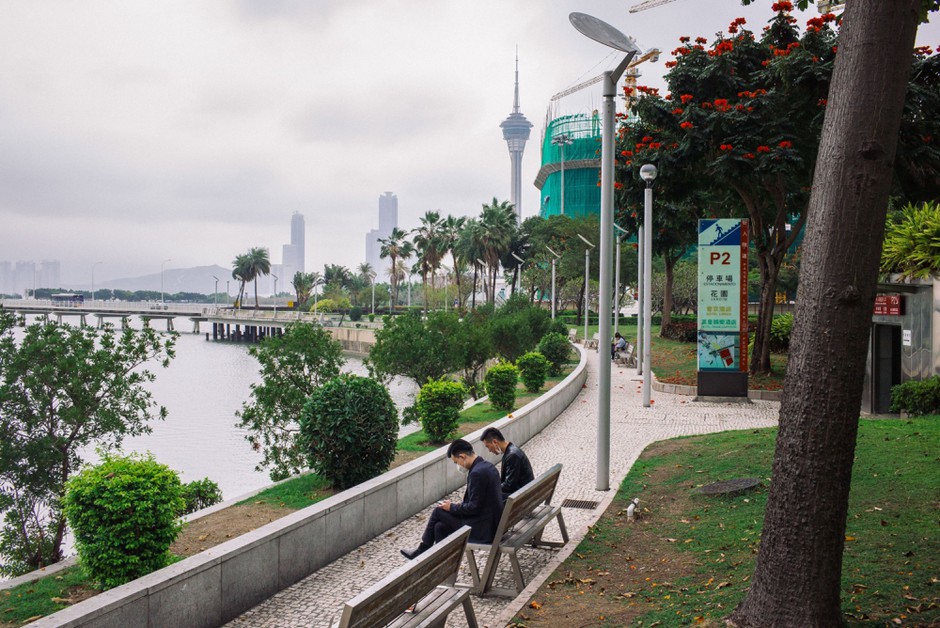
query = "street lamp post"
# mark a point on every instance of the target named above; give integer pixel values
(619, 240)
(518, 272)
(162, 265)
(555, 256)
(275, 294)
(215, 294)
(641, 299)
(93, 281)
(587, 287)
(648, 174)
(228, 294)
(372, 279)
(606, 34)
(562, 141)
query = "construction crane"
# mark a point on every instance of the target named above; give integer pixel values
(648, 4)
(650, 55)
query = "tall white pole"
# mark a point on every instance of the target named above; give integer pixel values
(587, 290)
(563, 177)
(617, 288)
(647, 297)
(275, 295)
(641, 299)
(553, 288)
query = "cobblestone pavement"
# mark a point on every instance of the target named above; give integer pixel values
(570, 439)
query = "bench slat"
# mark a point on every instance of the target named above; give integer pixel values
(387, 599)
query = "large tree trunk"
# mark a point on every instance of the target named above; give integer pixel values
(796, 580)
(670, 264)
(769, 270)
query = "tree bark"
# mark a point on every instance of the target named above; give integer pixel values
(670, 264)
(797, 577)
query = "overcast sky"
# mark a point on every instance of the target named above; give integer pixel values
(132, 132)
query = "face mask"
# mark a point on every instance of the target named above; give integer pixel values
(463, 470)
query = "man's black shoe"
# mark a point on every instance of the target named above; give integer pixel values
(412, 554)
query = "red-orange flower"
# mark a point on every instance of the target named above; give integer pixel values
(647, 138)
(784, 5)
(726, 147)
(763, 149)
(748, 155)
(686, 98)
(655, 145)
(678, 111)
(686, 125)
(785, 144)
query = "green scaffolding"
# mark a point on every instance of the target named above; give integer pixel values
(582, 166)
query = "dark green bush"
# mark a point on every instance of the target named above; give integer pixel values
(533, 369)
(355, 314)
(556, 349)
(349, 427)
(200, 494)
(124, 513)
(683, 331)
(501, 385)
(917, 397)
(780, 328)
(439, 402)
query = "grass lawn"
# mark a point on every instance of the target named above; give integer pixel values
(688, 558)
(33, 600)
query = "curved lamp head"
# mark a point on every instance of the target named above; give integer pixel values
(648, 173)
(602, 32)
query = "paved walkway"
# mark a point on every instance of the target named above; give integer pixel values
(570, 439)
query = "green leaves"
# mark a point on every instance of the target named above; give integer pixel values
(349, 430)
(293, 366)
(533, 367)
(501, 385)
(912, 242)
(438, 405)
(124, 513)
(63, 389)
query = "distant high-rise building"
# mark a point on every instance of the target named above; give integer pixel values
(24, 277)
(297, 239)
(292, 255)
(516, 131)
(48, 274)
(388, 220)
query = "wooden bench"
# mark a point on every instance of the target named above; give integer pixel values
(626, 358)
(525, 515)
(572, 334)
(428, 582)
(592, 343)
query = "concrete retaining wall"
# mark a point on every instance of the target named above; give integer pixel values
(217, 585)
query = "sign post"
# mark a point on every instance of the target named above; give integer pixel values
(722, 308)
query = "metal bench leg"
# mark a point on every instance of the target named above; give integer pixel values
(517, 572)
(489, 572)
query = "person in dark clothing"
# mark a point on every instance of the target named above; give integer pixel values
(481, 508)
(516, 471)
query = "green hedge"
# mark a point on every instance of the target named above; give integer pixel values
(200, 494)
(501, 385)
(917, 397)
(533, 368)
(556, 349)
(439, 403)
(124, 513)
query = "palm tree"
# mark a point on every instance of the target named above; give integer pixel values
(258, 264)
(427, 241)
(450, 232)
(303, 286)
(240, 273)
(396, 247)
(471, 247)
(499, 225)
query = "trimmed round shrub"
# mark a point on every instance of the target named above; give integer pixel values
(533, 369)
(917, 397)
(355, 314)
(500, 384)
(349, 427)
(439, 402)
(556, 349)
(124, 514)
(200, 494)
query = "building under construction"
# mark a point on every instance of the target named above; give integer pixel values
(571, 147)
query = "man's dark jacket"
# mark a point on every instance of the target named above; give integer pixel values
(516, 471)
(482, 504)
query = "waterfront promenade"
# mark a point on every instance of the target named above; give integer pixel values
(570, 439)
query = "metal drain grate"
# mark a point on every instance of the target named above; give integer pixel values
(583, 504)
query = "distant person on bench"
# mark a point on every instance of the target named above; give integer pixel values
(481, 508)
(620, 344)
(516, 471)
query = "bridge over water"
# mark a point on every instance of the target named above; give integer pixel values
(224, 323)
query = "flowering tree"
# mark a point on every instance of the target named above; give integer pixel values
(738, 130)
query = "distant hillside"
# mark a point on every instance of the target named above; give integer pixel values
(197, 279)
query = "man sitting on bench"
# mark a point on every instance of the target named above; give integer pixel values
(516, 471)
(481, 508)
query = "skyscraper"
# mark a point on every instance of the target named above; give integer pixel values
(516, 131)
(297, 239)
(388, 220)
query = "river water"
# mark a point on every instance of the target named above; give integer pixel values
(202, 389)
